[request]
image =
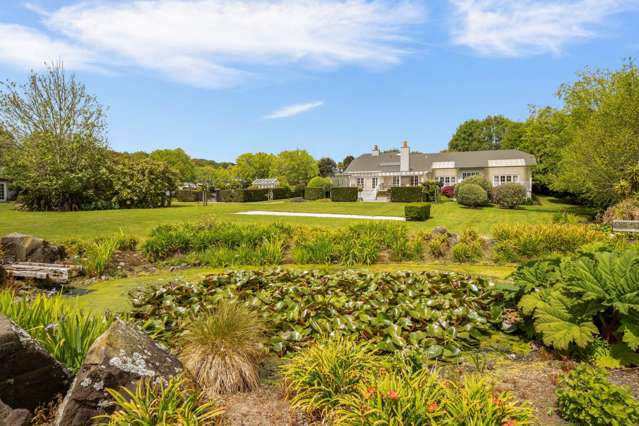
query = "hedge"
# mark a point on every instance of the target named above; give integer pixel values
(186, 195)
(417, 212)
(252, 195)
(344, 194)
(314, 193)
(231, 195)
(406, 194)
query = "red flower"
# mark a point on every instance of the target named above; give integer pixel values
(370, 392)
(432, 407)
(498, 402)
(392, 395)
(509, 423)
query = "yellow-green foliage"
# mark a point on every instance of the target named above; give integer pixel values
(161, 404)
(515, 242)
(66, 333)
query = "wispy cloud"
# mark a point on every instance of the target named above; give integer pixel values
(220, 43)
(293, 110)
(523, 27)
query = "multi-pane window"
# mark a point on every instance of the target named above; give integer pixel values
(360, 182)
(469, 174)
(374, 183)
(395, 180)
(502, 179)
(414, 180)
(447, 180)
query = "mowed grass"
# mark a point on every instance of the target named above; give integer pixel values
(112, 295)
(61, 226)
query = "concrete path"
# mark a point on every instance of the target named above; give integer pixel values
(326, 215)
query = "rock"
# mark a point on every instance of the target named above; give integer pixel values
(26, 248)
(11, 417)
(439, 230)
(120, 357)
(29, 375)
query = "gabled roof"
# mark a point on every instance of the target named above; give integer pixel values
(389, 161)
(266, 181)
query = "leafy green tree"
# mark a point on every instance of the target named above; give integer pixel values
(296, 166)
(54, 173)
(493, 132)
(225, 178)
(327, 167)
(178, 160)
(319, 182)
(140, 183)
(604, 137)
(251, 166)
(346, 162)
(51, 103)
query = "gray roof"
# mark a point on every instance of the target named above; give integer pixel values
(266, 181)
(389, 161)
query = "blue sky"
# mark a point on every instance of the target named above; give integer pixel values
(223, 77)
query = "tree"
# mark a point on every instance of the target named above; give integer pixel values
(296, 166)
(54, 173)
(604, 137)
(51, 103)
(6, 141)
(327, 167)
(346, 162)
(178, 160)
(225, 178)
(251, 166)
(493, 132)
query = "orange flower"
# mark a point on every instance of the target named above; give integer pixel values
(369, 392)
(498, 402)
(392, 395)
(509, 423)
(432, 407)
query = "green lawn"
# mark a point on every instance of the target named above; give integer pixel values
(112, 295)
(60, 226)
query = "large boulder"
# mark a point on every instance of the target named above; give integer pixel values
(18, 247)
(120, 357)
(14, 417)
(29, 376)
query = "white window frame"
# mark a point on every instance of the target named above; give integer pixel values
(447, 180)
(374, 182)
(359, 182)
(3, 191)
(397, 181)
(414, 180)
(503, 179)
(466, 175)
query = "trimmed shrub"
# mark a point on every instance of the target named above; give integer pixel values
(282, 193)
(253, 195)
(449, 191)
(431, 190)
(314, 193)
(406, 194)
(476, 180)
(344, 194)
(319, 182)
(471, 195)
(509, 195)
(231, 195)
(223, 347)
(417, 212)
(188, 195)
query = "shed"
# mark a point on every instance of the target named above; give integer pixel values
(268, 183)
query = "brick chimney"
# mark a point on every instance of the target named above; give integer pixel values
(404, 158)
(375, 151)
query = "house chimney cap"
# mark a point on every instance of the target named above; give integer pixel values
(405, 145)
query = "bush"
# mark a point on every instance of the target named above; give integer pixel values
(476, 180)
(222, 349)
(98, 256)
(586, 397)
(406, 194)
(471, 195)
(625, 210)
(231, 196)
(466, 252)
(319, 376)
(509, 195)
(65, 332)
(448, 191)
(438, 245)
(188, 195)
(314, 193)
(344, 194)
(417, 212)
(160, 403)
(319, 182)
(318, 248)
(516, 242)
(431, 190)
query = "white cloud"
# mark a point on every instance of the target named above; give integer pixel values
(292, 110)
(522, 27)
(219, 43)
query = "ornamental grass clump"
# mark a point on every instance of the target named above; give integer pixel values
(222, 348)
(319, 376)
(161, 404)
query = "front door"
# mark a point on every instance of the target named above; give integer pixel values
(3, 191)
